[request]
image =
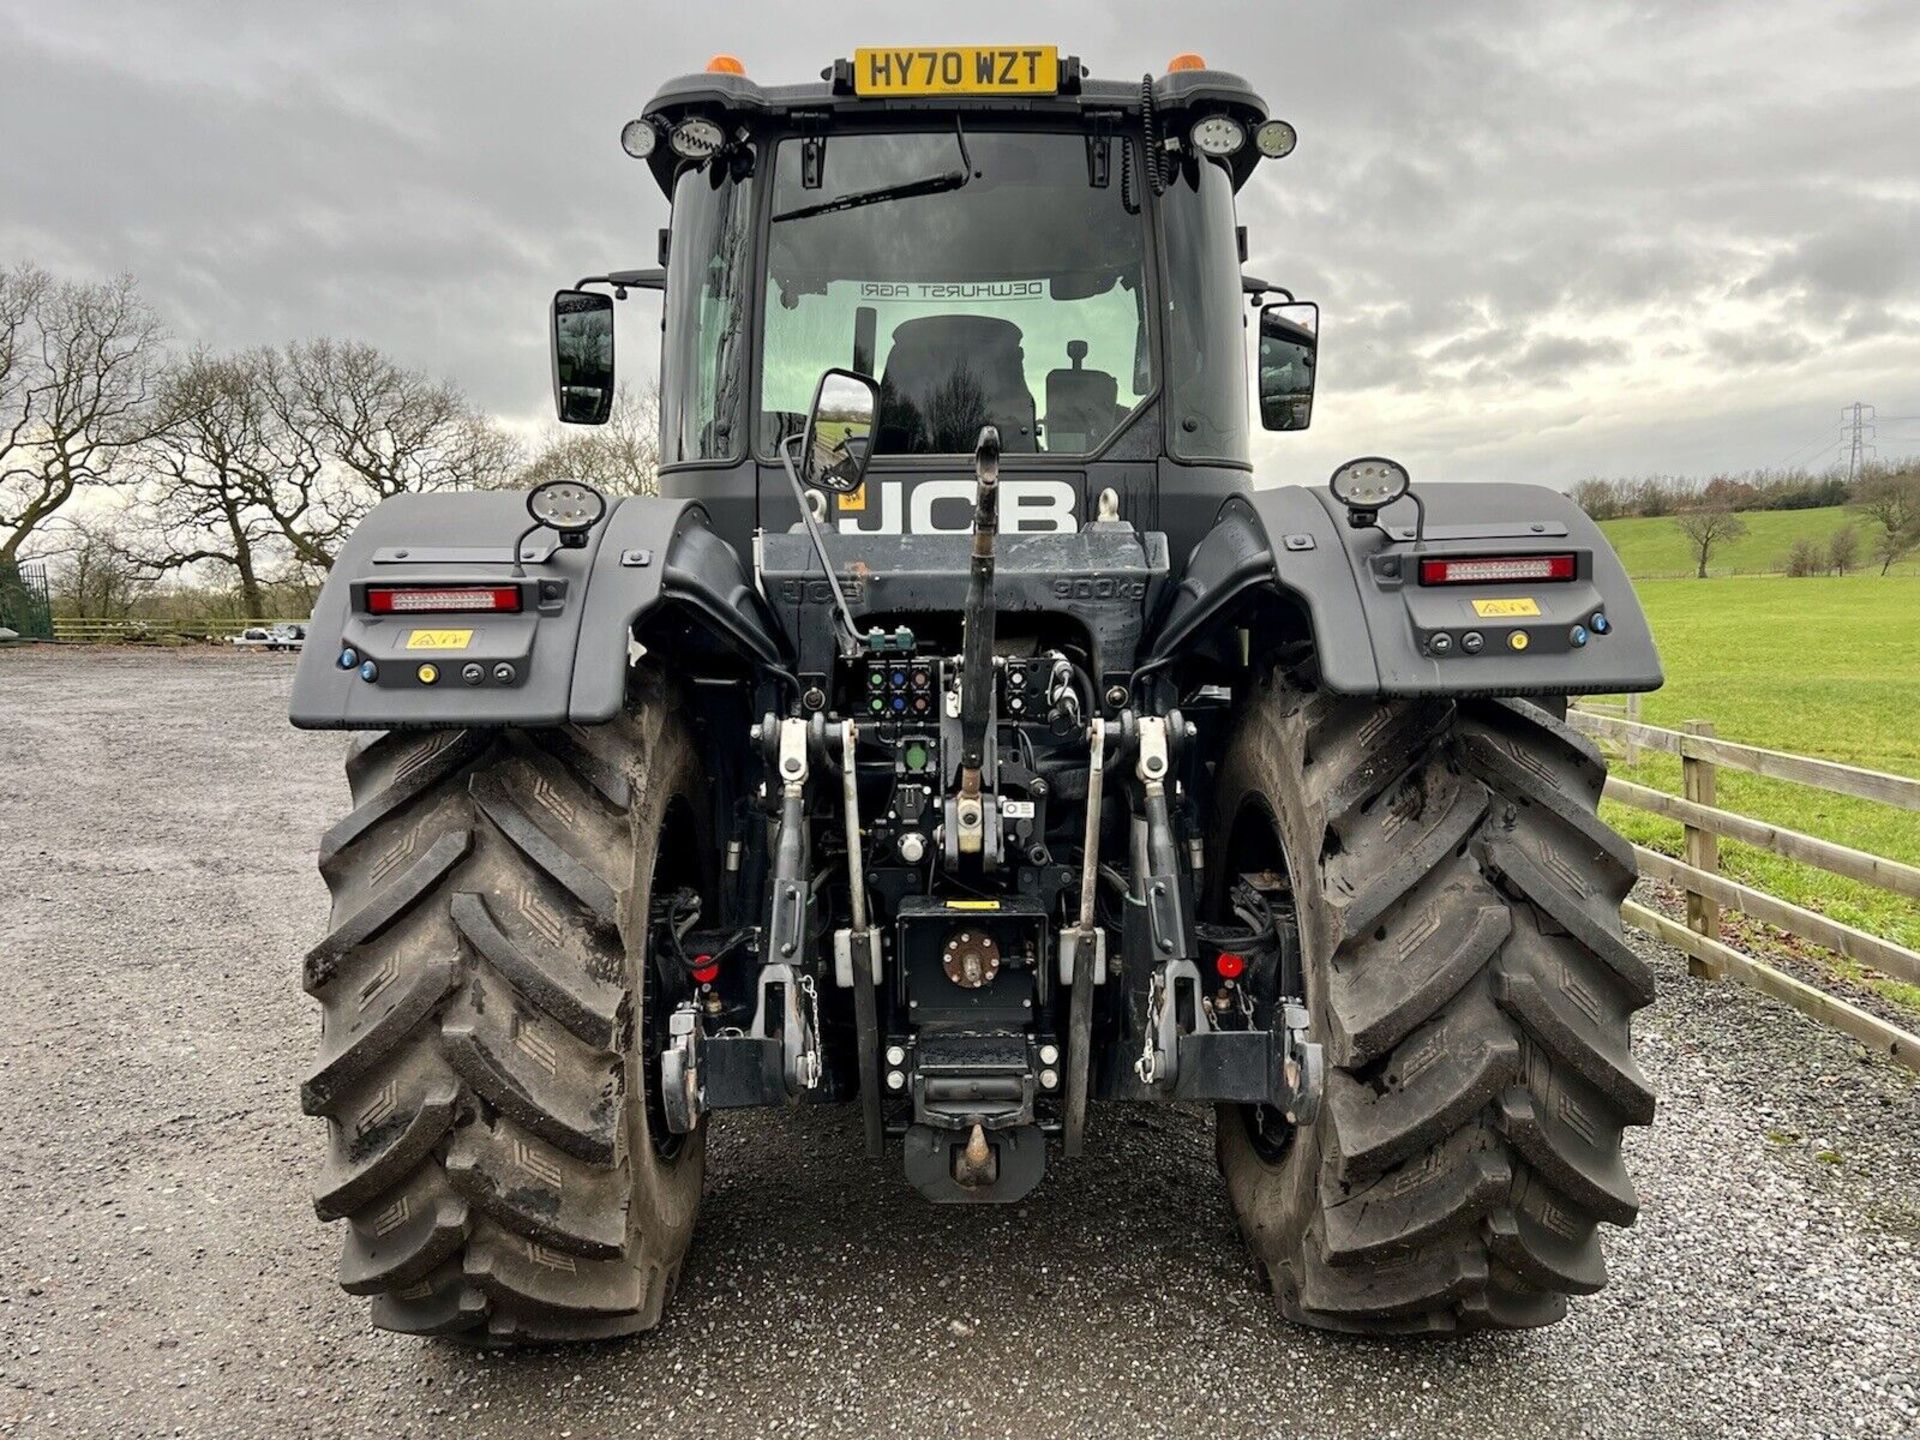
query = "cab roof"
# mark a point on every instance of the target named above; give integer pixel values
(1079, 103)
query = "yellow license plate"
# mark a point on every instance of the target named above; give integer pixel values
(439, 639)
(958, 70)
(1504, 609)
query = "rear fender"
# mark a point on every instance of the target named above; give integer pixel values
(563, 657)
(1378, 631)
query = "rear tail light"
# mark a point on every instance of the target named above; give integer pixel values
(442, 599)
(1496, 569)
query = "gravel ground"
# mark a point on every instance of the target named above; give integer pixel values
(166, 1275)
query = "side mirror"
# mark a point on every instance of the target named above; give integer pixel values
(839, 435)
(1289, 346)
(582, 357)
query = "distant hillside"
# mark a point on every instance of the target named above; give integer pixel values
(1653, 546)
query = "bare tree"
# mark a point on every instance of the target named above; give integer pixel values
(77, 368)
(621, 457)
(350, 428)
(1602, 499)
(1706, 529)
(95, 576)
(1889, 498)
(1843, 550)
(210, 467)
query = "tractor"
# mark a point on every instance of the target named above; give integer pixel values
(974, 732)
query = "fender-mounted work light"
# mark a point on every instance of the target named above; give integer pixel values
(1370, 482)
(570, 506)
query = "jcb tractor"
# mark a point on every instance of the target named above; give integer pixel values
(972, 733)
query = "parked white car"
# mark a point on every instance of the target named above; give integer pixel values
(276, 637)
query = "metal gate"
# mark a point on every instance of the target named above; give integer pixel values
(25, 607)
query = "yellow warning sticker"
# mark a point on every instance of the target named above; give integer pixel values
(973, 904)
(439, 639)
(1500, 609)
(853, 501)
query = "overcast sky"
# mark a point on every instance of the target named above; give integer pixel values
(1549, 240)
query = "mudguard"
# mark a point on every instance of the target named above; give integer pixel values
(1378, 631)
(563, 656)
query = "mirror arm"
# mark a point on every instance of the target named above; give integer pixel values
(625, 280)
(851, 639)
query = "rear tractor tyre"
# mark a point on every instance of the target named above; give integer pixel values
(489, 1032)
(1458, 908)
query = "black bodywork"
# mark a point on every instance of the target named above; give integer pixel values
(969, 976)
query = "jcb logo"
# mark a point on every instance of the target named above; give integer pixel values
(945, 507)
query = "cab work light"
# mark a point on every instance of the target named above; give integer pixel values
(441, 599)
(1496, 569)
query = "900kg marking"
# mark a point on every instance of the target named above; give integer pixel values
(1098, 587)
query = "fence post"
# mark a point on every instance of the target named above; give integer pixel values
(1702, 847)
(1633, 736)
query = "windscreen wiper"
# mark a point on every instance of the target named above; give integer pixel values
(904, 190)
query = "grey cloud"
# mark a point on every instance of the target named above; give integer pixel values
(1486, 193)
(1868, 257)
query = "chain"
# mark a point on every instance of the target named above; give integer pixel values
(1146, 1067)
(813, 1037)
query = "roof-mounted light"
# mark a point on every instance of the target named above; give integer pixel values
(1275, 139)
(697, 138)
(725, 65)
(1218, 135)
(1185, 60)
(638, 138)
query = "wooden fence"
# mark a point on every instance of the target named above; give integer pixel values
(136, 631)
(1697, 875)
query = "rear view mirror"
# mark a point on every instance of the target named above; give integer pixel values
(839, 439)
(1289, 347)
(582, 357)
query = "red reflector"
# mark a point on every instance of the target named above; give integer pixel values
(704, 970)
(1230, 966)
(1496, 569)
(426, 600)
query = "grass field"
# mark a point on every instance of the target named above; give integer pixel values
(1655, 547)
(1825, 666)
